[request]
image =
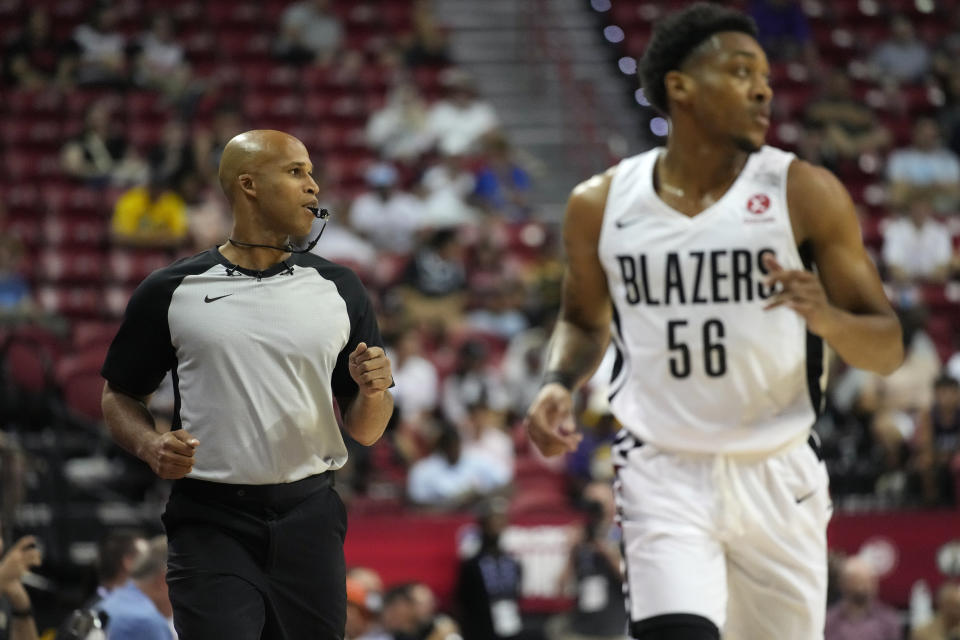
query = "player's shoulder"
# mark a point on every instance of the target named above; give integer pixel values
(591, 194)
(808, 182)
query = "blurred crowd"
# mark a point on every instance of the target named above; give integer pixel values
(432, 206)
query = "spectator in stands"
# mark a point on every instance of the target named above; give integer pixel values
(161, 61)
(398, 130)
(430, 624)
(593, 570)
(949, 115)
(860, 615)
(101, 155)
(16, 299)
(363, 612)
(946, 623)
(33, 60)
(309, 33)
(451, 478)
(903, 57)
(435, 280)
(385, 214)
(17, 620)
(172, 158)
(426, 44)
(473, 380)
(117, 553)
(936, 457)
(502, 185)
(102, 56)
(485, 433)
(399, 614)
(885, 407)
(916, 247)
(458, 121)
(946, 55)
(417, 382)
(208, 216)
(784, 30)
(150, 216)
(522, 366)
(593, 460)
(838, 126)
(209, 143)
(925, 168)
(488, 588)
(141, 609)
(447, 189)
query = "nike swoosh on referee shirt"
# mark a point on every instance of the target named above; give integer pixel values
(209, 299)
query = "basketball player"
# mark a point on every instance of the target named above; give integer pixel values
(261, 341)
(718, 266)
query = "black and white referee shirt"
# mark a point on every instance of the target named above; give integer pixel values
(256, 359)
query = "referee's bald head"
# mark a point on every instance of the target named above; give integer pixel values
(246, 153)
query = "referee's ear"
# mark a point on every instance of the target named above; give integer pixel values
(247, 184)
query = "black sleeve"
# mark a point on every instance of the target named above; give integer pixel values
(363, 328)
(141, 353)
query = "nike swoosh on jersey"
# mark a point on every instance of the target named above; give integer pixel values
(209, 299)
(621, 223)
(804, 497)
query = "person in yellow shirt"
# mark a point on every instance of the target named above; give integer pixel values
(150, 216)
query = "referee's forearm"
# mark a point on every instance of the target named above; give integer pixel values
(367, 417)
(129, 421)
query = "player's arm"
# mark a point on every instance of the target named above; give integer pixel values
(846, 305)
(583, 329)
(365, 415)
(131, 426)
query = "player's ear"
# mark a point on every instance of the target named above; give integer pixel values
(679, 87)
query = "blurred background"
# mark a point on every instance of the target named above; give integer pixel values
(446, 136)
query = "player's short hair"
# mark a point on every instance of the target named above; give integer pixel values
(676, 36)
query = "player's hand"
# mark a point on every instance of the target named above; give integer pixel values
(550, 423)
(370, 369)
(171, 454)
(801, 291)
(23, 555)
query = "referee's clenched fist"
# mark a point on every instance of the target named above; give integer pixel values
(370, 369)
(170, 454)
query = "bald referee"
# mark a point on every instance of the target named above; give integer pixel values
(261, 339)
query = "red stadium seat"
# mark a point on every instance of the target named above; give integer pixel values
(82, 393)
(74, 232)
(92, 333)
(131, 266)
(70, 265)
(71, 301)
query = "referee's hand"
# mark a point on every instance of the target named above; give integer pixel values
(550, 423)
(370, 369)
(171, 454)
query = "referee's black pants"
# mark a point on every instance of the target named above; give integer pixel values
(257, 562)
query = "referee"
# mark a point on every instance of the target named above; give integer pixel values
(260, 340)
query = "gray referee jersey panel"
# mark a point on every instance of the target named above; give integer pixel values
(254, 355)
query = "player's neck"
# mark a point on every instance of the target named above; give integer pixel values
(696, 166)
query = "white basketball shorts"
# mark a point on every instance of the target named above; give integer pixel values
(738, 540)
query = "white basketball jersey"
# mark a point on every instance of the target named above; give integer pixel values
(700, 366)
